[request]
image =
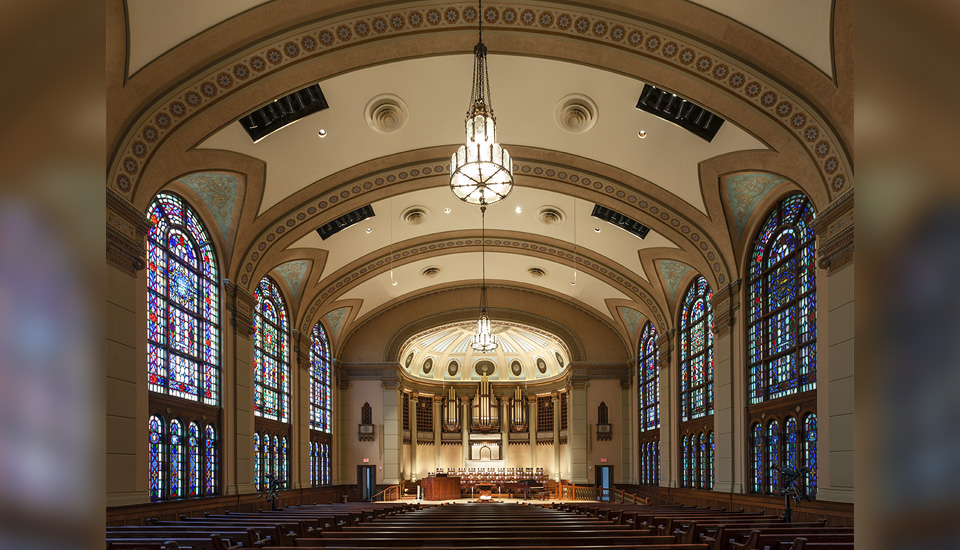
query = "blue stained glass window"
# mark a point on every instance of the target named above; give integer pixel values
(155, 457)
(649, 377)
(810, 453)
(193, 460)
(210, 460)
(271, 354)
(711, 450)
(320, 381)
(773, 456)
(686, 481)
(257, 462)
(696, 351)
(756, 457)
(790, 443)
(183, 323)
(176, 458)
(781, 283)
(270, 457)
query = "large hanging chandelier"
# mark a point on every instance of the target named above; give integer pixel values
(483, 341)
(480, 171)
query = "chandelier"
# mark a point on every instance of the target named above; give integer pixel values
(483, 341)
(480, 171)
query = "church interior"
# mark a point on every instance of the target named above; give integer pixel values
(549, 251)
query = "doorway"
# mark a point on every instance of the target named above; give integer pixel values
(366, 482)
(604, 482)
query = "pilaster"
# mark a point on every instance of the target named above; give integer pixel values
(669, 410)
(300, 434)
(628, 437)
(726, 302)
(238, 416)
(577, 426)
(392, 433)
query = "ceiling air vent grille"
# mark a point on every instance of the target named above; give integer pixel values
(283, 111)
(624, 222)
(675, 109)
(334, 226)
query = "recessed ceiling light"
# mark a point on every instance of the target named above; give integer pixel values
(322, 133)
(369, 230)
(519, 210)
(446, 210)
(642, 134)
(597, 229)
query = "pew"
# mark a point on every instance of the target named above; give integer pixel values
(182, 543)
(758, 540)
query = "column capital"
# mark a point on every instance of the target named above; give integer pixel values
(301, 345)
(126, 229)
(390, 384)
(834, 227)
(725, 303)
(343, 384)
(240, 303)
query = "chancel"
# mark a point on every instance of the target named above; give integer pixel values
(646, 305)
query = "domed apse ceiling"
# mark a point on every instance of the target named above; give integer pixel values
(444, 354)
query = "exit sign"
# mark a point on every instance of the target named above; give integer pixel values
(368, 460)
(603, 460)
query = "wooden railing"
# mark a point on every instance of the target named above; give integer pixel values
(390, 493)
(569, 491)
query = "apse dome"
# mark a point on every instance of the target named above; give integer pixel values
(444, 353)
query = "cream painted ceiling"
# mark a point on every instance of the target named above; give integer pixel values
(526, 92)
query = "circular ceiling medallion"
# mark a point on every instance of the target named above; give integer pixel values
(409, 359)
(428, 365)
(550, 215)
(537, 272)
(541, 365)
(559, 359)
(576, 113)
(485, 367)
(430, 271)
(415, 215)
(516, 368)
(453, 368)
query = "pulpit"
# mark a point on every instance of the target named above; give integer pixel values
(441, 488)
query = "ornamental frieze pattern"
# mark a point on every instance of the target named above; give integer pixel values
(640, 38)
(309, 213)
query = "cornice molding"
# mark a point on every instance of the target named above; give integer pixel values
(240, 304)
(834, 228)
(126, 229)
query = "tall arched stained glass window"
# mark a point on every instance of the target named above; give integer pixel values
(686, 462)
(210, 460)
(155, 458)
(810, 453)
(773, 456)
(257, 462)
(781, 278)
(271, 378)
(320, 380)
(183, 297)
(696, 352)
(704, 461)
(193, 460)
(649, 364)
(176, 458)
(756, 457)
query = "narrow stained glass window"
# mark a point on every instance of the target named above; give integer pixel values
(210, 460)
(810, 453)
(183, 296)
(790, 443)
(193, 460)
(696, 352)
(649, 378)
(756, 456)
(687, 482)
(271, 379)
(781, 280)
(710, 454)
(320, 381)
(176, 458)
(257, 463)
(155, 454)
(773, 457)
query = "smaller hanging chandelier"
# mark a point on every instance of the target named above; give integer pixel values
(480, 171)
(483, 341)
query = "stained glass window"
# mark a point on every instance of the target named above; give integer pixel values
(320, 381)
(648, 362)
(193, 460)
(270, 457)
(210, 460)
(155, 454)
(271, 351)
(756, 455)
(183, 297)
(686, 462)
(320, 464)
(810, 453)
(176, 458)
(696, 352)
(781, 279)
(711, 454)
(790, 437)
(704, 461)
(773, 457)
(650, 463)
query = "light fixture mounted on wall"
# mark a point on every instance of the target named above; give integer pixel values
(483, 341)
(481, 172)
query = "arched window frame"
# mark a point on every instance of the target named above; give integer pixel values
(781, 292)
(271, 456)
(695, 325)
(321, 391)
(271, 353)
(648, 399)
(771, 444)
(182, 458)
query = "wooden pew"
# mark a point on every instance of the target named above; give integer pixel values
(182, 543)
(725, 534)
(246, 537)
(758, 540)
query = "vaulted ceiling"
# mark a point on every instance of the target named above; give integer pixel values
(180, 75)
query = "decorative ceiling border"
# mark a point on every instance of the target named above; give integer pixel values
(678, 51)
(308, 213)
(349, 277)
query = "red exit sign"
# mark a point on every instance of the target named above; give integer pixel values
(603, 460)
(368, 460)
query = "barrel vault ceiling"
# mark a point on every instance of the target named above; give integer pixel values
(180, 75)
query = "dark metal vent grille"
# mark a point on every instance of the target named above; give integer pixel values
(679, 111)
(283, 111)
(334, 226)
(620, 220)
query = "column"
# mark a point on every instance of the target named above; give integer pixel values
(728, 392)
(437, 430)
(669, 412)
(532, 428)
(834, 227)
(300, 434)
(577, 429)
(125, 391)
(555, 399)
(628, 437)
(465, 427)
(392, 433)
(238, 423)
(343, 475)
(414, 403)
(504, 428)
